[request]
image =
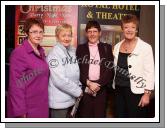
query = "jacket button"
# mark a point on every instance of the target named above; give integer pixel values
(130, 66)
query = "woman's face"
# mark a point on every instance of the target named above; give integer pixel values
(35, 34)
(129, 30)
(65, 37)
(93, 35)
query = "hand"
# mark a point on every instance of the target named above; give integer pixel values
(95, 87)
(145, 100)
(90, 92)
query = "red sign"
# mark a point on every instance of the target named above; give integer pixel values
(52, 15)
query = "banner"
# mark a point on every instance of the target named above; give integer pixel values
(109, 17)
(52, 15)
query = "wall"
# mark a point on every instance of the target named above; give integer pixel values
(147, 24)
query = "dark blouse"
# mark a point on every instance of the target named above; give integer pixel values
(122, 72)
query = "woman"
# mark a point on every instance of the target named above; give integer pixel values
(64, 85)
(134, 79)
(95, 62)
(29, 75)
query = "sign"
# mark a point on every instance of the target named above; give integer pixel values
(52, 15)
(109, 17)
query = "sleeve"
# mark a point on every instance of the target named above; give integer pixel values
(111, 68)
(83, 76)
(149, 68)
(58, 78)
(16, 92)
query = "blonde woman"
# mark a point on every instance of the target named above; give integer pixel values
(64, 85)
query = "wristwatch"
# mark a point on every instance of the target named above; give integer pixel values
(147, 91)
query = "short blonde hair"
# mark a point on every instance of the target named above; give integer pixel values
(61, 27)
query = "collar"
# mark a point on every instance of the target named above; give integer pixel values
(62, 47)
(65, 49)
(29, 48)
(93, 44)
(136, 50)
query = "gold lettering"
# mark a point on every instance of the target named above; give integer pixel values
(114, 6)
(136, 7)
(89, 15)
(98, 15)
(103, 15)
(103, 6)
(125, 7)
(115, 17)
(121, 7)
(120, 15)
(108, 15)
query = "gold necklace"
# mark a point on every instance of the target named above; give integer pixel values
(126, 50)
(128, 47)
(125, 47)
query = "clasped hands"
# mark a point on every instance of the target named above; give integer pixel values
(92, 87)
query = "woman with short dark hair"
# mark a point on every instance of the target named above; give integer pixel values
(29, 75)
(96, 72)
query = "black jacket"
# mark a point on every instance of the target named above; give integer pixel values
(106, 66)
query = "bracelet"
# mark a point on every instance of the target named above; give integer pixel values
(147, 91)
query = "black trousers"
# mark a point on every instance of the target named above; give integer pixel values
(93, 107)
(126, 104)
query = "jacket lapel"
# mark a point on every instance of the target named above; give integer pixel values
(86, 65)
(102, 54)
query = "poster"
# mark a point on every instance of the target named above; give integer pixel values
(52, 15)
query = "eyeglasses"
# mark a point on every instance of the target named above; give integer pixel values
(36, 32)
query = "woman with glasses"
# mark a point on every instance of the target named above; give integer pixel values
(64, 85)
(29, 75)
(134, 79)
